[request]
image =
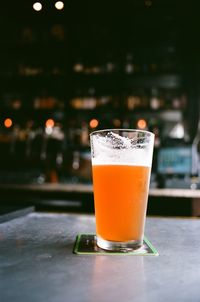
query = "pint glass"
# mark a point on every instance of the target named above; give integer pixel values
(121, 167)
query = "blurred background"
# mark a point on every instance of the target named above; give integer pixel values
(70, 67)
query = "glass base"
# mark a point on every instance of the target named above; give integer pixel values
(118, 245)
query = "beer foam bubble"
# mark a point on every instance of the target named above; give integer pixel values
(114, 149)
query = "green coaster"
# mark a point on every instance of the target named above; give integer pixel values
(86, 245)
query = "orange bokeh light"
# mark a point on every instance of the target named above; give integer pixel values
(142, 124)
(50, 123)
(8, 123)
(116, 122)
(94, 123)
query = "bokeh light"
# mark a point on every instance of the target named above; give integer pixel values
(141, 124)
(94, 123)
(37, 6)
(59, 5)
(50, 123)
(8, 123)
(116, 123)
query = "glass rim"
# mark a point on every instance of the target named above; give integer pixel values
(122, 129)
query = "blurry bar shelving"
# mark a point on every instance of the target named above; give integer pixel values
(89, 66)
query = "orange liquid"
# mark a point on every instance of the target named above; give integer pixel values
(120, 195)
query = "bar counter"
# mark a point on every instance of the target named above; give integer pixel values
(88, 188)
(78, 188)
(37, 263)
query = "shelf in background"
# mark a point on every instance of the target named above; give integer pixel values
(164, 80)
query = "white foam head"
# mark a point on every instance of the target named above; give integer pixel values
(114, 149)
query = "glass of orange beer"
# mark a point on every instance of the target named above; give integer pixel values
(121, 167)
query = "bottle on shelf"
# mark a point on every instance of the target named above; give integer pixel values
(156, 100)
(78, 66)
(84, 134)
(90, 100)
(129, 67)
(87, 100)
(80, 170)
(133, 102)
(110, 66)
(28, 35)
(47, 102)
(137, 99)
(196, 152)
(54, 138)
(155, 126)
(57, 33)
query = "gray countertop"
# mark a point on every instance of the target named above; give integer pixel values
(37, 262)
